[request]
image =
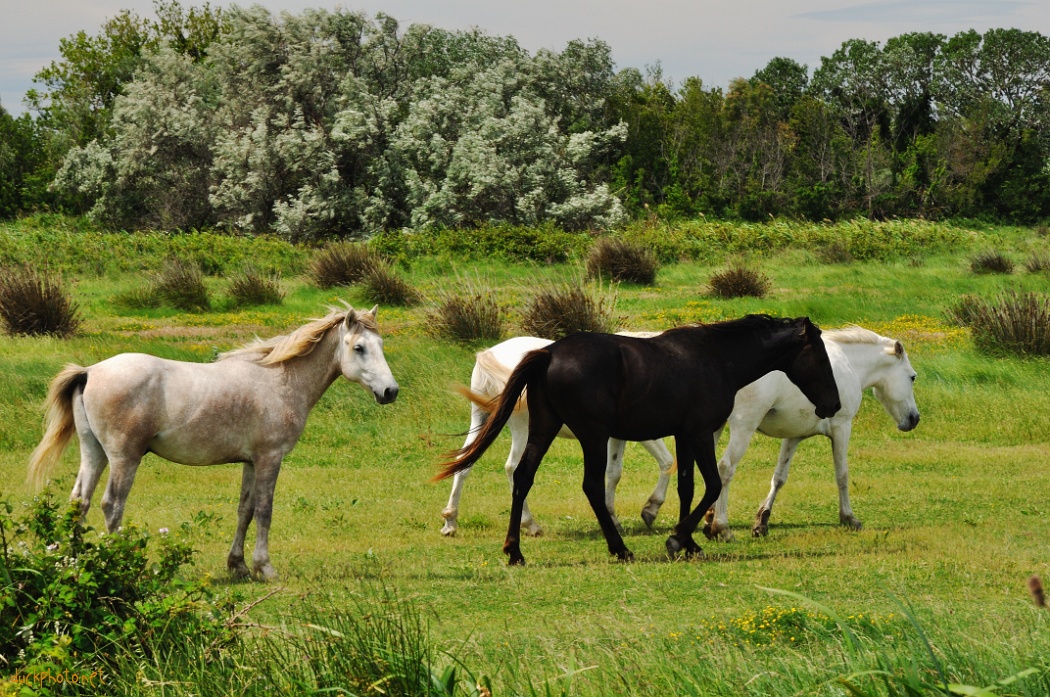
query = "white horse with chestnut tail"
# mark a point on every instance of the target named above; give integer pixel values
(249, 406)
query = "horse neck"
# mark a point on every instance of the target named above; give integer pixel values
(308, 377)
(867, 362)
(729, 349)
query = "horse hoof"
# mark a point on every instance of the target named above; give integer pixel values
(265, 573)
(851, 522)
(516, 560)
(759, 531)
(532, 529)
(708, 532)
(448, 530)
(724, 535)
(624, 555)
(239, 570)
(648, 517)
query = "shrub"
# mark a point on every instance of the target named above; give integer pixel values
(992, 261)
(557, 312)
(1013, 322)
(1038, 262)
(36, 304)
(180, 284)
(965, 311)
(342, 264)
(740, 282)
(468, 314)
(383, 285)
(252, 287)
(70, 597)
(622, 261)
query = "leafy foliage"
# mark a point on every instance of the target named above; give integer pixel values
(71, 596)
(34, 304)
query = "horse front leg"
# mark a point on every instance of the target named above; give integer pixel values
(266, 471)
(780, 475)
(839, 445)
(665, 462)
(683, 533)
(681, 538)
(717, 527)
(245, 510)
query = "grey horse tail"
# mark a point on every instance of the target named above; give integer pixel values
(532, 366)
(60, 427)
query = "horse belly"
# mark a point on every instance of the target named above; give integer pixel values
(192, 449)
(791, 422)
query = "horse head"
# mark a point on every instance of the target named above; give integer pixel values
(895, 387)
(361, 356)
(811, 369)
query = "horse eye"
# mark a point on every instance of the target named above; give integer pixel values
(358, 348)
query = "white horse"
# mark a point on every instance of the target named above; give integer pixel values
(250, 406)
(489, 377)
(860, 359)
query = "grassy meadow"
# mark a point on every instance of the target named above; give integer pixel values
(956, 513)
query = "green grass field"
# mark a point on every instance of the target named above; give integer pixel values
(956, 513)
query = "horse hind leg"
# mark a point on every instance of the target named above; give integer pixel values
(613, 474)
(121, 476)
(519, 436)
(245, 512)
(450, 514)
(595, 460)
(543, 429)
(93, 459)
(665, 461)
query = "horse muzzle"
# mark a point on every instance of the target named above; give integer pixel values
(388, 395)
(909, 423)
(826, 411)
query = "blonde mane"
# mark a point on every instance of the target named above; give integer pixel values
(302, 341)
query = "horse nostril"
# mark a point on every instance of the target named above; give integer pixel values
(390, 394)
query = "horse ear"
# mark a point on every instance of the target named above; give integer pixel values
(805, 327)
(898, 349)
(374, 312)
(351, 317)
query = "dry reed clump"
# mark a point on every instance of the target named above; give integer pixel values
(835, 253)
(992, 261)
(740, 282)
(556, 312)
(1013, 322)
(622, 261)
(180, 283)
(1037, 262)
(36, 304)
(965, 310)
(253, 287)
(342, 264)
(467, 314)
(385, 286)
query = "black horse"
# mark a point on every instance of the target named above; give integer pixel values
(681, 383)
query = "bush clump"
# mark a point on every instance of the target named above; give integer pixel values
(253, 287)
(837, 252)
(740, 282)
(180, 284)
(467, 315)
(966, 309)
(1038, 262)
(36, 304)
(992, 261)
(1013, 322)
(71, 597)
(557, 312)
(622, 261)
(383, 285)
(342, 264)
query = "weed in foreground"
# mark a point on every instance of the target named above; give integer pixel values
(36, 304)
(622, 261)
(556, 312)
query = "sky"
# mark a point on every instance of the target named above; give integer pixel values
(715, 41)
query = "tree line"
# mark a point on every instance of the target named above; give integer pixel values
(333, 123)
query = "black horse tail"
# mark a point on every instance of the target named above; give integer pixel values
(532, 366)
